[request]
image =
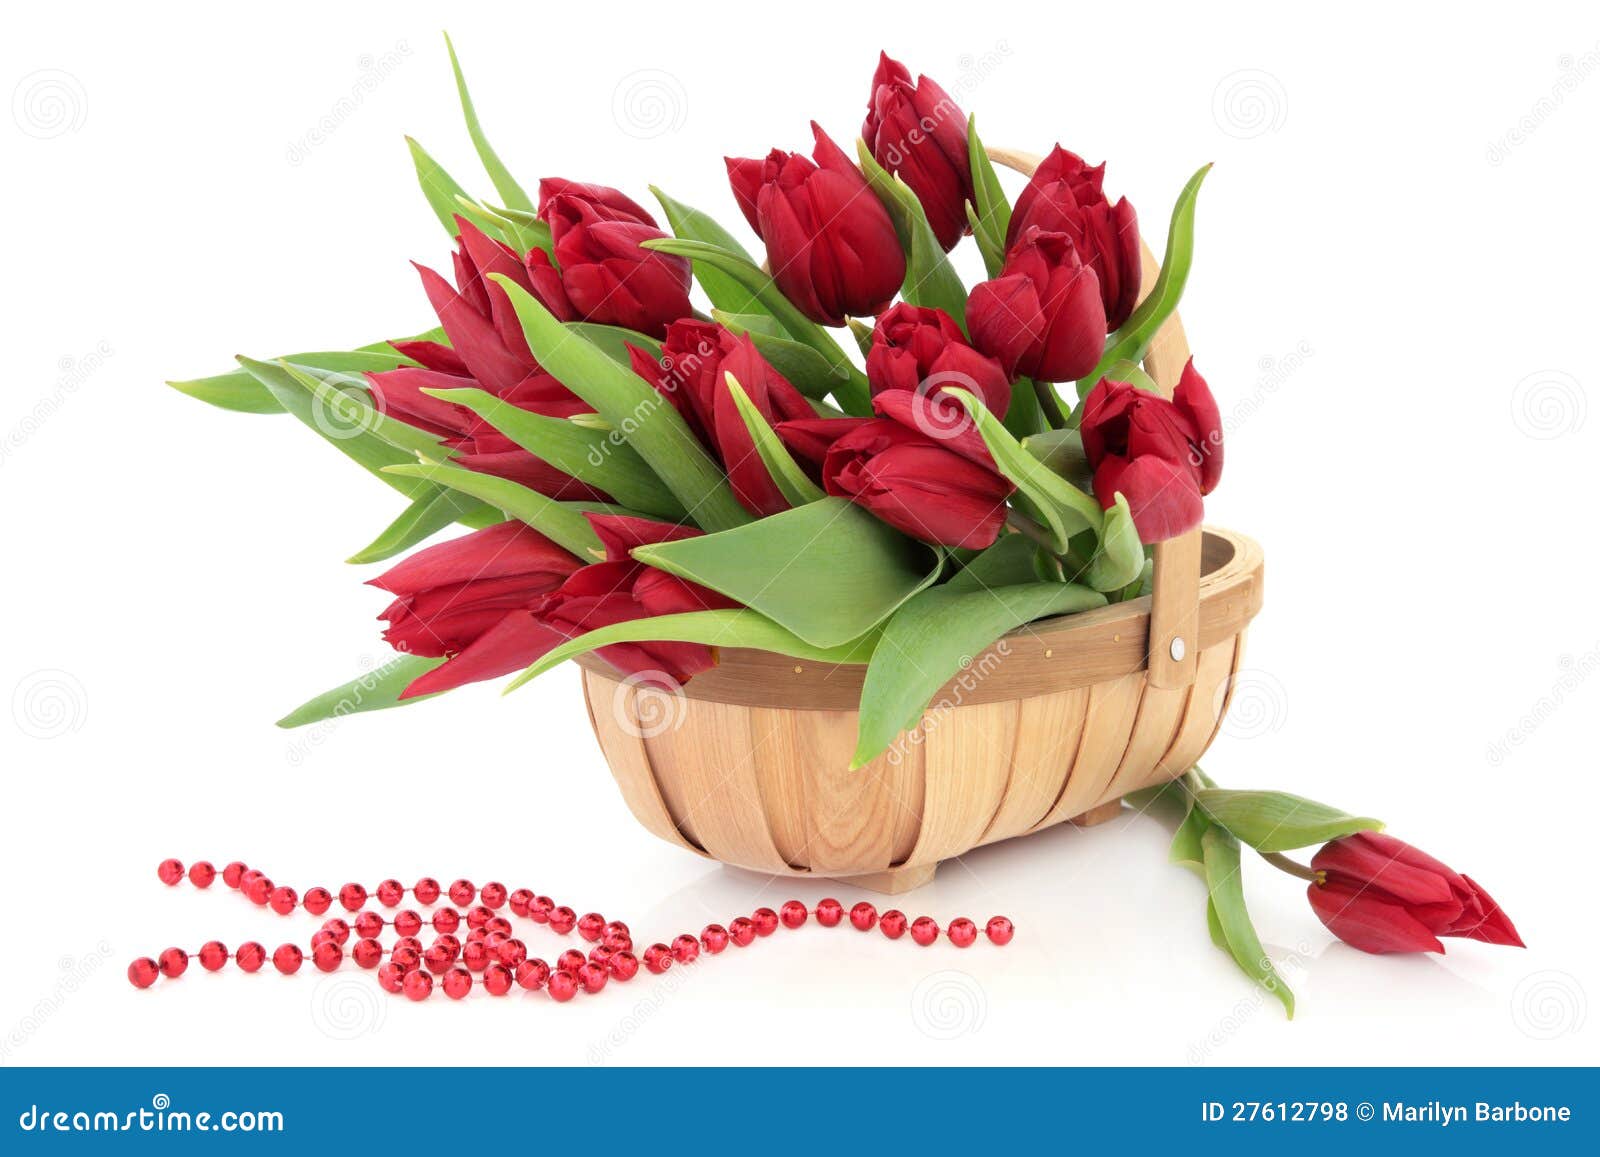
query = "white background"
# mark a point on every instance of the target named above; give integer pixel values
(1393, 301)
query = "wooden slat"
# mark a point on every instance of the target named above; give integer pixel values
(1048, 729)
(1108, 720)
(966, 763)
(626, 757)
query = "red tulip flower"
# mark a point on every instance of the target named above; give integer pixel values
(1064, 196)
(1043, 316)
(830, 244)
(1380, 894)
(918, 132)
(701, 355)
(1163, 456)
(608, 203)
(923, 350)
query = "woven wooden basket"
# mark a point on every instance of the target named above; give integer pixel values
(1057, 721)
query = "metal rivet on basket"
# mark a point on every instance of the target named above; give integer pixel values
(1177, 649)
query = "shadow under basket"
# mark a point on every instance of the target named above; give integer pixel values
(1058, 720)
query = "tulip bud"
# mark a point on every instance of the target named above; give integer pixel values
(916, 131)
(1042, 317)
(923, 350)
(605, 275)
(608, 203)
(830, 243)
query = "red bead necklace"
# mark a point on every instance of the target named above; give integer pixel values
(489, 956)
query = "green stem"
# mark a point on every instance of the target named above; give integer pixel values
(1300, 871)
(1021, 523)
(1050, 402)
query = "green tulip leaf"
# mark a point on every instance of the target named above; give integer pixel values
(496, 223)
(862, 333)
(797, 489)
(1119, 557)
(726, 291)
(238, 391)
(1230, 919)
(782, 565)
(937, 635)
(425, 516)
(378, 689)
(989, 213)
(930, 278)
(1275, 821)
(504, 183)
(591, 456)
(562, 523)
(647, 420)
(738, 627)
(1062, 453)
(443, 194)
(614, 340)
(801, 366)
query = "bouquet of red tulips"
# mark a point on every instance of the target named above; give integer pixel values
(649, 477)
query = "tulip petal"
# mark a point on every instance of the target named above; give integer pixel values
(1164, 498)
(1364, 920)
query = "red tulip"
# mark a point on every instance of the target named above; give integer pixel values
(1380, 894)
(915, 483)
(923, 350)
(700, 356)
(1042, 316)
(830, 244)
(917, 131)
(605, 276)
(1163, 456)
(1064, 196)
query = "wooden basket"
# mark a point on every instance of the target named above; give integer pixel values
(1056, 721)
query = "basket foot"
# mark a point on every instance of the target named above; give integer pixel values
(896, 880)
(1099, 814)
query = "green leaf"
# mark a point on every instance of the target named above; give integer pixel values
(738, 627)
(344, 405)
(497, 224)
(561, 522)
(238, 391)
(930, 278)
(726, 291)
(614, 340)
(803, 367)
(1120, 555)
(797, 489)
(862, 333)
(1133, 340)
(504, 183)
(592, 456)
(1275, 821)
(427, 514)
(535, 233)
(649, 422)
(1008, 562)
(1062, 452)
(990, 212)
(827, 571)
(440, 188)
(937, 634)
(1231, 919)
(376, 690)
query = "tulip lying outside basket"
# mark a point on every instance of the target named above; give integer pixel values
(832, 620)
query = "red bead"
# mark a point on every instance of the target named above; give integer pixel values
(962, 932)
(286, 958)
(232, 873)
(498, 924)
(601, 955)
(142, 972)
(317, 901)
(259, 891)
(829, 912)
(391, 977)
(390, 893)
(999, 930)
(437, 960)
(624, 965)
(863, 917)
(352, 896)
(714, 938)
(562, 919)
(248, 877)
(405, 958)
(532, 974)
(170, 871)
(366, 953)
(658, 958)
(417, 985)
(283, 900)
(250, 956)
(368, 924)
(213, 955)
(446, 920)
(924, 930)
(591, 925)
(686, 948)
(323, 936)
(765, 920)
(563, 986)
(539, 909)
(492, 894)
(457, 983)
(462, 892)
(571, 960)
(493, 941)
(407, 923)
(593, 977)
(741, 930)
(408, 942)
(497, 979)
(616, 936)
(519, 900)
(448, 943)
(340, 930)
(327, 957)
(201, 873)
(892, 923)
(793, 914)
(475, 955)
(478, 916)
(173, 963)
(426, 890)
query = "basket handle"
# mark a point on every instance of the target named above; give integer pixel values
(1174, 644)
